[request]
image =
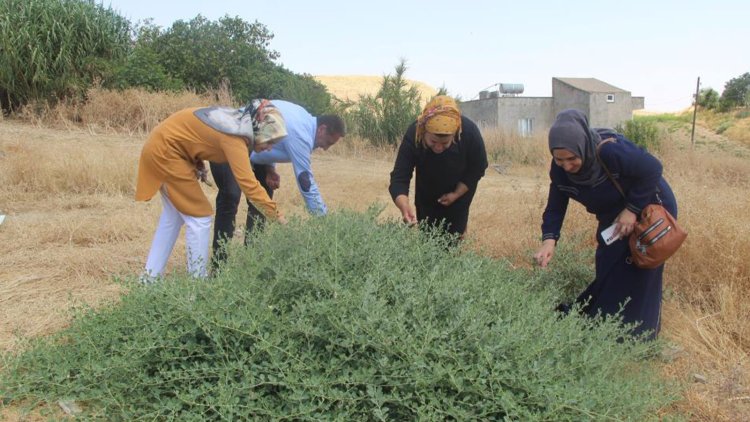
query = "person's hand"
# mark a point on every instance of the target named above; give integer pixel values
(201, 172)
(273, 179)
(407, 214)
(447, 199)
(625, 223)
(545, 253)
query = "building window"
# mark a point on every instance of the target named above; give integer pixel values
(525, 127)
(610, 98)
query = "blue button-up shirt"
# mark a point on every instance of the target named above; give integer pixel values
(296, 148)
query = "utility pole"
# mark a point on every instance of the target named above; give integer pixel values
(695, 110)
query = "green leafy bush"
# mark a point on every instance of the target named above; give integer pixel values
(708, 98)
(304, 90)
(341, 318)
(142, 69)
(571, 270)
(643, 132)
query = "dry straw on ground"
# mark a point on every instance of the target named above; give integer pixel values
(72, 225)
(132, 111)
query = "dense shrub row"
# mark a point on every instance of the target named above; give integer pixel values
(343, 318)
(55, 50)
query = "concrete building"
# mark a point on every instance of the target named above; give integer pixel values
(604, 104)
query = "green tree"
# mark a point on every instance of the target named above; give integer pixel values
(307, 92)
(143, 67)
(736, 92)
(54, 49)
(383, 118)
(203, 53)
(708, 98)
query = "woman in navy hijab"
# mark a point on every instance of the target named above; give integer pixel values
(577, 174)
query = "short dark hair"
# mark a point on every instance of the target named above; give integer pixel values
(334, 124)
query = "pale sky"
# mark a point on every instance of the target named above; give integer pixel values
(656, 49)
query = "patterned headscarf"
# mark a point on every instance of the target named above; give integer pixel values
(571, 132)
(440, 116)
(268, 123)
(258, 122)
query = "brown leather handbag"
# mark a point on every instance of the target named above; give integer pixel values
(656, 236)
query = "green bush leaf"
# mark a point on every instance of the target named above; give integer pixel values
(344, 318)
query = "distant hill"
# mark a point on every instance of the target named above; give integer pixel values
(350, 87)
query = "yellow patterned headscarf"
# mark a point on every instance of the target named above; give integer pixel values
(440, 116)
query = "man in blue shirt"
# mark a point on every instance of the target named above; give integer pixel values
(305, 132)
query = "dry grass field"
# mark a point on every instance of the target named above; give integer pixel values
(351, 87)
(72, 226)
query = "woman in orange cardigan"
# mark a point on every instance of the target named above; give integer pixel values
(172, 163)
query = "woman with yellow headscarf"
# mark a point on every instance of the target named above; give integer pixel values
(446, 150)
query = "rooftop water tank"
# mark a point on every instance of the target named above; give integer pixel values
(511, 88)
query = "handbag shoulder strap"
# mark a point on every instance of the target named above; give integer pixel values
(604, 166)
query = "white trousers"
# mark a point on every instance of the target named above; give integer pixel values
(197, 234)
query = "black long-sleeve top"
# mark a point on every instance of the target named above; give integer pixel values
(437, 174)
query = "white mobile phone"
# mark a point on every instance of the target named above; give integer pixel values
(608, 234)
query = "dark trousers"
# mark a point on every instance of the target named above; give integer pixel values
(227, 202)
(454, 218)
